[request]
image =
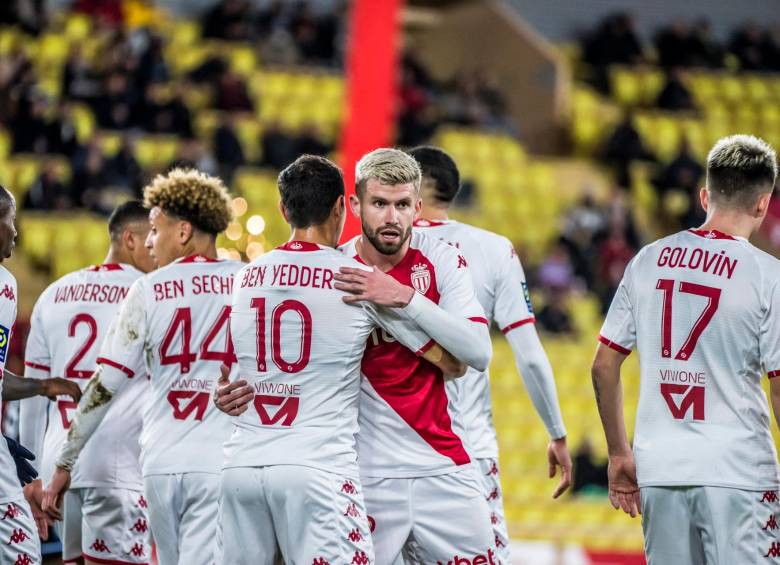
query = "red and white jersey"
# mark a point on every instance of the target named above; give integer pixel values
(175, 326)
(300, 346)
(409, 424)
(69, 322)
(703, 310)
(501, 288)
(9, 481)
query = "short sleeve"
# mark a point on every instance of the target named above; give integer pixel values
(123, 347)
(408, 333)
(512, 306)
(7, 319)
(619, 329)
(457, 287)
(37, 355)
(769, 339)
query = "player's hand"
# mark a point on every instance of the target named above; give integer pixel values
(558, 456)
(57, 386)
(33, 493)
(22, 457)
(372, 286)
(623, 486)
(232, 398)
(53, 494)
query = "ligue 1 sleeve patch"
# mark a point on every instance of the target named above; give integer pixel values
(5, 337)
(527, 296)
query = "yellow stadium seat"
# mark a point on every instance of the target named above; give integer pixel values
(626, 86)
(156, 151)
(77, 27)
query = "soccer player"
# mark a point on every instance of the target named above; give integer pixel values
(18, 542)
(421, 489)
(174, 327)
(291, 472)
(502, 290)
(702, 308)
(104, 513)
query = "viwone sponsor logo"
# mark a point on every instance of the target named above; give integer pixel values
(480, 559)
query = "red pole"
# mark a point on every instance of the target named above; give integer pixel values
(371, 66)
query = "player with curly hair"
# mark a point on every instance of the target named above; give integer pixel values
(173, 327)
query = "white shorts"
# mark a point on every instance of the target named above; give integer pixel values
(106, 525)
(712, 525)
(428, 519)
(183, 517)
(315, 517)
(19, 543)
(491, 490)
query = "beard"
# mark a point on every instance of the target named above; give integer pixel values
(383, 247)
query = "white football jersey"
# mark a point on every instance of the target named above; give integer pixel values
(175, 326)
(409, 424)
(300, 345)
(501, 288)
(10, 488)
(702, 309)
(69, 322)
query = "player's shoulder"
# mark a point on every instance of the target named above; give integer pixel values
(433, 248)
(6, 277)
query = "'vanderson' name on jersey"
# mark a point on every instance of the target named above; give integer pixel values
(287, 274)
(201, 284)
(718, 264)
(102, 293)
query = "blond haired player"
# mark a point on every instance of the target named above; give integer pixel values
(19, 544)
(291, 472)
(105, 515)
(502, 290)
(173, 326)
(422, 490)
(702, 308)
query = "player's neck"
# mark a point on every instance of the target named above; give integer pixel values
(435, 213)
(735, 224)
(206, 246)
(319, 235)
(371, 256)
(116, 256)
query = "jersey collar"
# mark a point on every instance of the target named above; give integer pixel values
(712, 234)
(299, 246)
(105, 267)
(198, 258)
(423, 223)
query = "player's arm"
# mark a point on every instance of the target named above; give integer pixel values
(617, 337)
(17, 388)
(457, 323)
(774, 391)
(121, 357)
(769, 345)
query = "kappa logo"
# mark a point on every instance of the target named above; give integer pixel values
(421, 278)
(710, 235)
(481, 559)
(100, 546)
(18, 536)
(138, 550)
(769, 496)
(493, 519)
(140, 526)
(771, 524)
(8, 292)
(494, 494)
(348, 487)
(320, 561)
(360, 558)
(499, 543)
(774, 550)
(23, 559)
(462, 262)
(355, 535)
(493, 469)
(142, 502)
(352, 511)
(11, 512)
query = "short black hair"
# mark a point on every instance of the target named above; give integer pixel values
(6, 200)
(438, 166)
(309, 188)
(126, 213)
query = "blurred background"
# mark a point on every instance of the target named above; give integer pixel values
(580, 128)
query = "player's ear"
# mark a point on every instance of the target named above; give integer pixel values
(128, 239)
(762, 205)
(338, 207)
(283, 210)
(185, 231)
(704, 197)
(417, 207)
(354, 205)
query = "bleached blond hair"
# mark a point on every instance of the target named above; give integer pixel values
(193, 196)
(739, 169)
(389, 167)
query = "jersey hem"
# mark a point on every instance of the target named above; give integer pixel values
(90, 484)
(759, 488)
(353, 473)
(415, 474)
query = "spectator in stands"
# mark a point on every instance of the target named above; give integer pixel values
(193, 154)
(624, 146)
(554, 317)
(614, 41)
(108, 12)
(48, 192)
(227, 148)
(229, 20)
(582, 225)
(90, 177)
(28, 126)
(152, 66)
(588, 473)
(165, 112)
(62, 132)
(279, 148)
(747, 45)
(614, 254)
(310, 141)
(683, 172)
(673, 45)
(556, 272)
(115, 108)
(675, 95)
(123, 170)
(80, 82)
(232, 95)
(704, 49)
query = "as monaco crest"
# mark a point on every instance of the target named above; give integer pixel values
(421, 278)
